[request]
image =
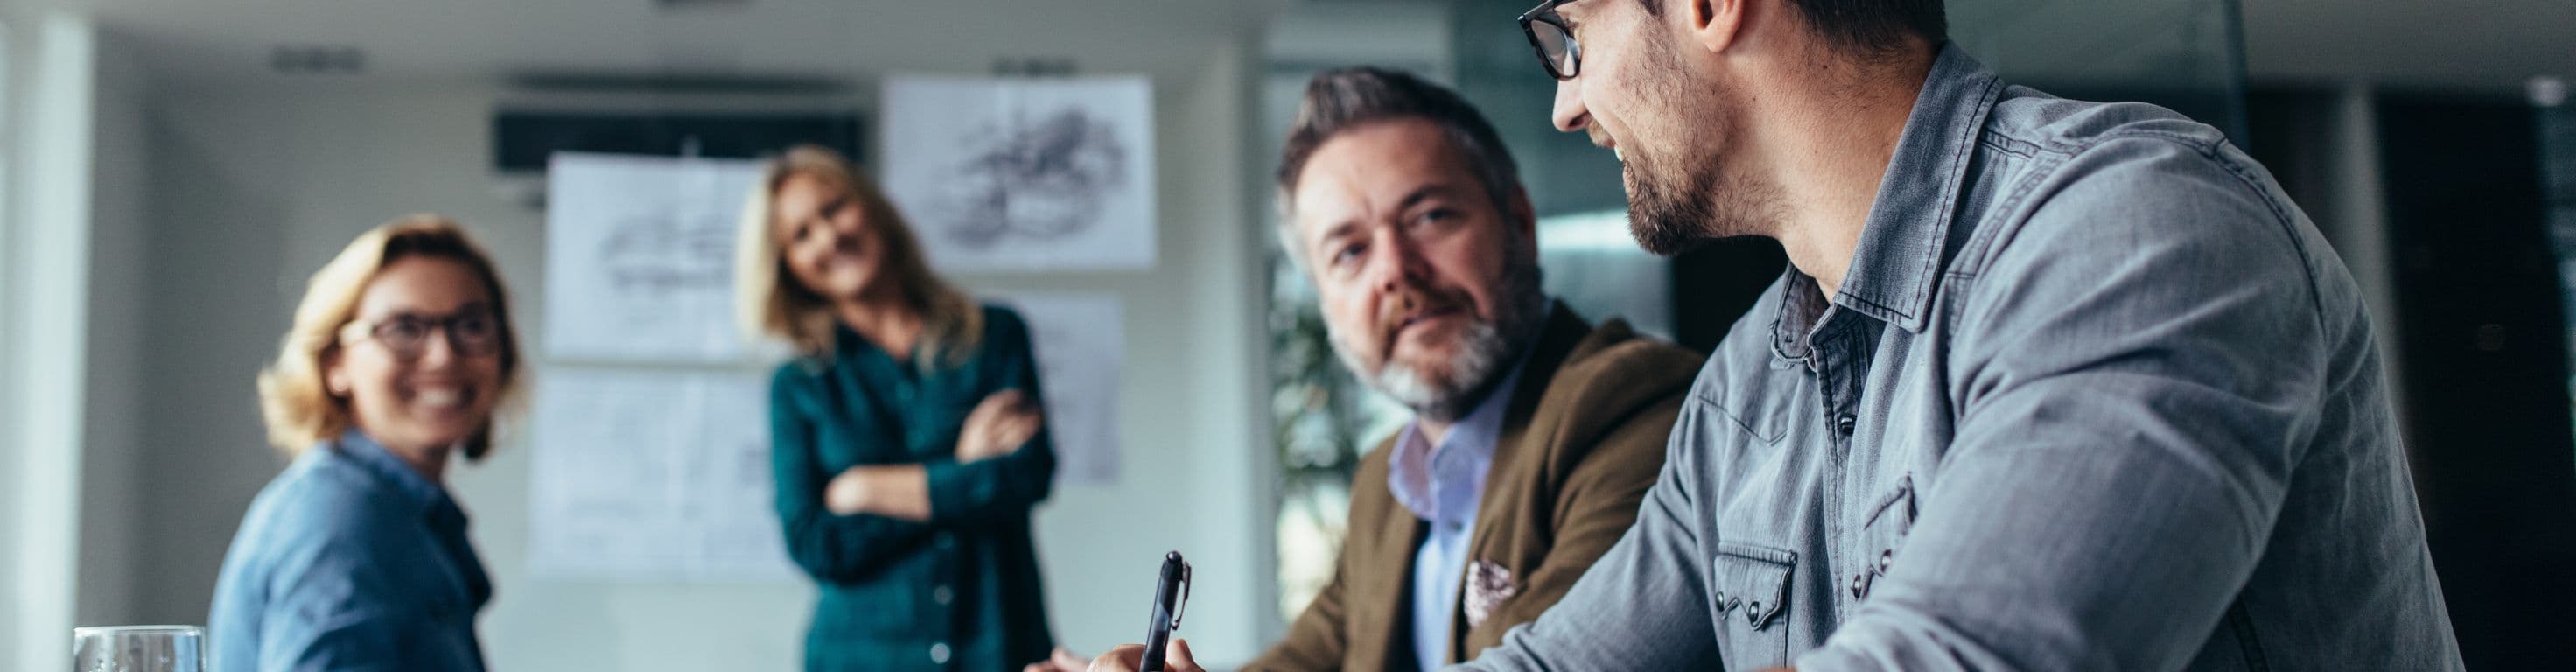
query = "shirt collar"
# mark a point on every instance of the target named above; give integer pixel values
(1900, 251)
(1443, 483)
(398, 476)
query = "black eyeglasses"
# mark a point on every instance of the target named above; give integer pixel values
(473, 333)
(1553, 39)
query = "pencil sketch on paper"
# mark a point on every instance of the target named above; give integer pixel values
(1040, 180)
(661, 252)
(1022, 174)
(639, 257)
(1081, 341)
(625, 489)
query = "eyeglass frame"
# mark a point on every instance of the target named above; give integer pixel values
(443, 325)
(1545, 13)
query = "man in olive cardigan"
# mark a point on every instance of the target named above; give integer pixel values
(1577, 451)
(1405, 211)
(1535, 435)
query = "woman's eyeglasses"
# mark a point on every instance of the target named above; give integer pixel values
(472, 333)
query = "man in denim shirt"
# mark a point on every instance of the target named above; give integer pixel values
(2052, 385)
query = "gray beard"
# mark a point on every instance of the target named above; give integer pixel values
(1485, 352)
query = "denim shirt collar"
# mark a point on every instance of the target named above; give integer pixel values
(415, 489)
(1443, 483)
(1893, 269)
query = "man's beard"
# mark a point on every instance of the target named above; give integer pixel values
(1675, 207)
(1485, 350)
(1669, 219)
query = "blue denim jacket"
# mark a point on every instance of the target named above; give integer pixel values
(2093, 396)
(350, 560)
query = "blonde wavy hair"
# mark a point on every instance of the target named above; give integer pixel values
(769, 302)
(293, 401)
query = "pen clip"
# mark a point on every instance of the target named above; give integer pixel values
(1185, 596)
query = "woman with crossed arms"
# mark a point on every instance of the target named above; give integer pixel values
(906, 438)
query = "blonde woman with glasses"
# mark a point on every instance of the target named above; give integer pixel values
(906, 437)
(356, 556)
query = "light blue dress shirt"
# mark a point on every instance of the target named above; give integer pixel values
(350, 560)
(1442, 484)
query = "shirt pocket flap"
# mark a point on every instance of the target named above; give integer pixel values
(1753, 582)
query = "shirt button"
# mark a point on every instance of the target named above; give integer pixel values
(1860, 585)
(1845, 424)
(942, 595)
(939, 653)
(1885, 558)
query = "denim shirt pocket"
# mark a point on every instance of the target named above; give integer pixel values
(1891, 516)
(1751, 602)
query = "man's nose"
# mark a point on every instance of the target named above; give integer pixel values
(1569, 113)
(1400, 266)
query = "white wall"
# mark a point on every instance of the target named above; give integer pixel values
(10, 60)
(110, 449)
(47, 223)
(256, 185)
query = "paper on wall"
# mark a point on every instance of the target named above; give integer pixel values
(643, 475)
(1081, 340)
(639, 257)
(1024, 174)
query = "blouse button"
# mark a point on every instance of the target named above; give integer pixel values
(939, 653)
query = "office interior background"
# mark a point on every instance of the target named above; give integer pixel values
(170, 172)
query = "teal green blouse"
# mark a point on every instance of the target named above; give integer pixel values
(959, 592)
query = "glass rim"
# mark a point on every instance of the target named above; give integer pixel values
(137, 629)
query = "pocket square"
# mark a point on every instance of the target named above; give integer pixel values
(1488, 585)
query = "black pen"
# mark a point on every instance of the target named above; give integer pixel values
(1171, 595)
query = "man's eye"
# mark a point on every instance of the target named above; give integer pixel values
(1346, 254)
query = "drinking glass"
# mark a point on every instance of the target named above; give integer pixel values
(139, 648)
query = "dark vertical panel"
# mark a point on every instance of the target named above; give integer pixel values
(2486, 369)
(1713, 285)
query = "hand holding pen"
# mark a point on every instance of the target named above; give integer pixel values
(1130, 658)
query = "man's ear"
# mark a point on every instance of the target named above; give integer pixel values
(1715, 24)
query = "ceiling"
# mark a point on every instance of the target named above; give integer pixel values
(2495, 44)
(227, 39)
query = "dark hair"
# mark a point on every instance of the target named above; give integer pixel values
(1346, 98)
(1873, 27)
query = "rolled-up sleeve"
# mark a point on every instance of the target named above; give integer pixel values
(2135, 374)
